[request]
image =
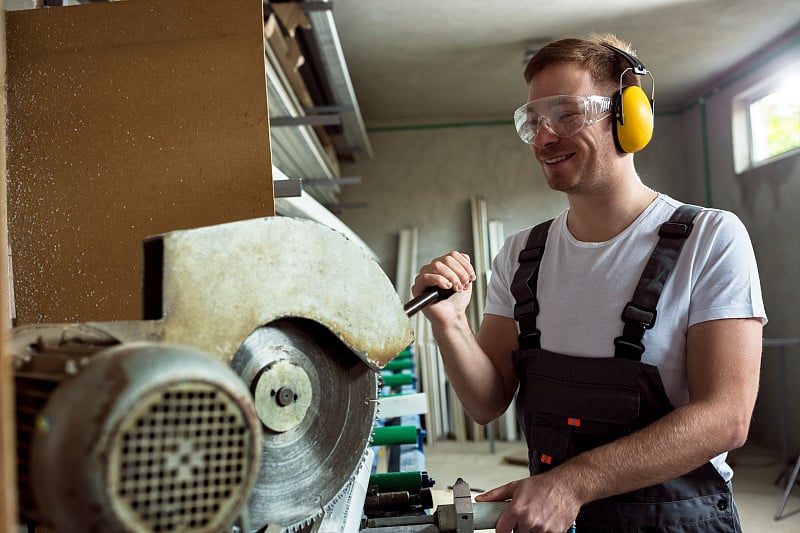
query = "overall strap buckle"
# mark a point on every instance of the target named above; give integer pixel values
(675, 230)
(530, 340)
(628, 349)
(636, 315)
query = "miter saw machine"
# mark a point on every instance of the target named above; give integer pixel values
(244, 400)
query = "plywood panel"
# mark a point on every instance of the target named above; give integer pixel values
(127, 119)
(8, 494)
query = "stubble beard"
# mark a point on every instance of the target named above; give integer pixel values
(582, 182)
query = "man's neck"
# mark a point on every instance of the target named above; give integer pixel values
(600, 217)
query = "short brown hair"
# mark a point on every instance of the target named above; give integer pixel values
(604, 65)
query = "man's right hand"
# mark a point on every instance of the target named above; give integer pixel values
(451, 271)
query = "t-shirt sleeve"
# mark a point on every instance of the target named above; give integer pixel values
(727, 283)
(499, 300)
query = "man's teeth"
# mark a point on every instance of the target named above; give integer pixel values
(556, 159)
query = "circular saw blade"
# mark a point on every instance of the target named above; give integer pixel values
(306, 468)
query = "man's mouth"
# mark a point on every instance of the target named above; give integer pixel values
(556, 159)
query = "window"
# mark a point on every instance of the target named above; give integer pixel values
(775, 122)
(767, 120)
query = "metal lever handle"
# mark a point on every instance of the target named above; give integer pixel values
(433, 295)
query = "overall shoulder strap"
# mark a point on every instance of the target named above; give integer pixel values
(640, 313)
(523, 287)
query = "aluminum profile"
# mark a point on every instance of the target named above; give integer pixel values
(296, 150)
(334, 66)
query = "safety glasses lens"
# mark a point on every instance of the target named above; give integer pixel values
(563, 116)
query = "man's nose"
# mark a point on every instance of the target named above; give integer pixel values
(544, 135)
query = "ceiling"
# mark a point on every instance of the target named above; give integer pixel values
(420, 62)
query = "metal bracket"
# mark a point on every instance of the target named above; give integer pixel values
(293, 187)
(462, 499)
(347, 180)
(307, 120)
(310, 5)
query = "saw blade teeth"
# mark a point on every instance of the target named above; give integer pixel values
(303, 524)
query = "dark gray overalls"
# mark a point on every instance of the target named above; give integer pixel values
(568, 405)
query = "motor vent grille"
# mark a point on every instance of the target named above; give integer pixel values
(181, 460)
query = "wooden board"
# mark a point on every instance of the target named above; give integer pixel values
(127, 119)
(8, 468)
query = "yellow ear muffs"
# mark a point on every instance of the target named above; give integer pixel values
(633, 119)
(633, 110)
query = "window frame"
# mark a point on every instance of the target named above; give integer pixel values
(743, 138)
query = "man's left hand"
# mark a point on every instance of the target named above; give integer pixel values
(540, 504)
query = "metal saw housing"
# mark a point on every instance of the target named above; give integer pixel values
(212, 287)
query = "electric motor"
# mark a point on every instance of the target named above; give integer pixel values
(130, 437)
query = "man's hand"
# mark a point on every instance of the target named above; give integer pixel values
(540, 504)
(451, 271)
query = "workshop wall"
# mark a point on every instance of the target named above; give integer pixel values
(424, 177)
(766, 199)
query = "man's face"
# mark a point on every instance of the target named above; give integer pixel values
(584, 161)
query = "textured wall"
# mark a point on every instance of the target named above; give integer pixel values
(425, 178)
(766, 199)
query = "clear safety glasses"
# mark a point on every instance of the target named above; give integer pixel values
(562, 115)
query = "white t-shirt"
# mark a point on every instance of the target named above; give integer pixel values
(584, 286)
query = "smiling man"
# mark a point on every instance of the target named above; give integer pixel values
(629, 326)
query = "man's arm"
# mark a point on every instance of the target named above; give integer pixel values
(479, 369)
(723, 362)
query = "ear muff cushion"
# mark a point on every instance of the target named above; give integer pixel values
(637, 130)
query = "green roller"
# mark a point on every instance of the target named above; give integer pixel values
(394, 380)
(398, 364)
(389, 435)
(400, 481)
(405, 354)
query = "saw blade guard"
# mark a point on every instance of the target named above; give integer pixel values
(212, 287)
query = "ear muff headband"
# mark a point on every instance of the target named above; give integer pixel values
(633, 110)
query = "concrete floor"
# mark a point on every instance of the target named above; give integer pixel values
(755, 471)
